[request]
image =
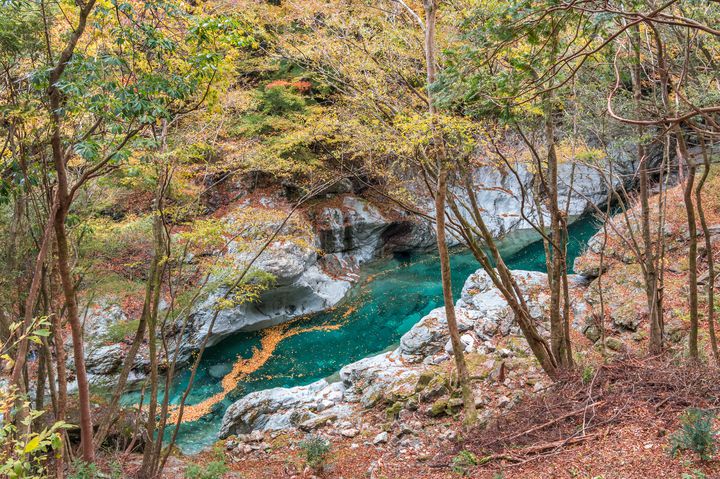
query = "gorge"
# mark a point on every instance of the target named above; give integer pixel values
(391, 296)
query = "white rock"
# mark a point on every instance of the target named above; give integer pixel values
(351, 432)
(381, 438)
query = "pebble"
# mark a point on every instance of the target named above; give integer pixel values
(350, 432)
(449, 435)
(381, 438)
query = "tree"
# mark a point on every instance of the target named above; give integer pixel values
(437, 154)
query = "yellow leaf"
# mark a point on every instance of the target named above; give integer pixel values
(32, 444)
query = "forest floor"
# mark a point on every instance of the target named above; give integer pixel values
(618, 423)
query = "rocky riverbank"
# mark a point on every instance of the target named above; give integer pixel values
(409, 377)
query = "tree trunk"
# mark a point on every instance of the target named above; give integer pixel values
(710, 287)
(151, 454)
(437, 148)
(692, 243)
(63, 250)
(654, 300)
(446, 276)
(68, 286)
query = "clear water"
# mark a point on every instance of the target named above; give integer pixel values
(391, 297)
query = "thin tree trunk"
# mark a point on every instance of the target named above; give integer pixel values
(649, 270)
(59, 344)
(557, 262)
(63, 252)
(446, 276)
(68, 286)
(683, 156)
(437, 148)
(710, 287)
(151, 454)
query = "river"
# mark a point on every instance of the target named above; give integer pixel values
(392, 295)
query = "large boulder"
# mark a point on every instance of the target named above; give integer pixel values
(429, 335)
(282, 408)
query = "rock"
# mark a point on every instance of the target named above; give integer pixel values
(424, 380)
(383, 377)
(244, 449)
(503, 401)
(381, 438)
(439, 408)
(350, 432)
(104, 359)
(449, 435)
(675, 330)
(317, 422)
(282, 408)
(489, 311)
(592, 332)
(301, 287)
(443, 407)
(468, 341)
(393, 411)
(626, 317)
(435, 388)
(454, 404)
(341, 186)
(324, 404)
(615, 344)
(406, 429)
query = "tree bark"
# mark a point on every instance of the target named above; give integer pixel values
(437, 148)
(683, 156)
(64, 201)
(710, 287)
(652, 293)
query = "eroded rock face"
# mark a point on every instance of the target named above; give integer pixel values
(312, 272)
(103, 356)
(301, 287)
(357, 231)
(499, 194)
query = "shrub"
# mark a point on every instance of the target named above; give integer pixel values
(117, 332)
(25, 455)
(463, 462)
(278, 100)
(84, 470)
(696, 433)
(315, 449)
(211, 470)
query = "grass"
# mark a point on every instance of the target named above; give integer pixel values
(119, 331)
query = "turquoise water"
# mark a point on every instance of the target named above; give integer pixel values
(391, 297)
